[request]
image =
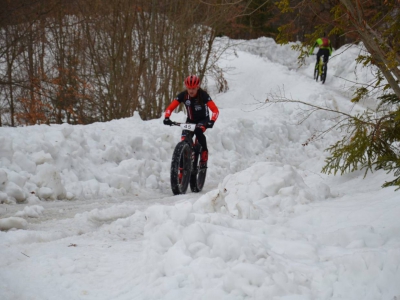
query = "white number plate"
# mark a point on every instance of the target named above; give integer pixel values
(189, 127)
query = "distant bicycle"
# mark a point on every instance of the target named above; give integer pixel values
(320, 70)
(185, 164)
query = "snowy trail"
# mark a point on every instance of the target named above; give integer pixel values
(68, 209)
(268, 224)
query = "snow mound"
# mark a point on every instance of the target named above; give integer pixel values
(13, 222)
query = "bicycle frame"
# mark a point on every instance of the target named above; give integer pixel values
(185, 162)
(188, 129)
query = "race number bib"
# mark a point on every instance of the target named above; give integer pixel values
(189, 127)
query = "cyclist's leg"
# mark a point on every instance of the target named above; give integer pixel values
(316, 69)
(326, 55)
(201, 138)
(326, 58)
(319, 54)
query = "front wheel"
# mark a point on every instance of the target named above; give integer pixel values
(181, 167)
(198, 176)
(316, 72)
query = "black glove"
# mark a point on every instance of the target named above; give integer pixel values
(210, 124)
(167, 121)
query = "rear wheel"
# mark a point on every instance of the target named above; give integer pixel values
(181, 168)
(198, 176)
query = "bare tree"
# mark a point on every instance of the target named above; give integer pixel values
(82, 61)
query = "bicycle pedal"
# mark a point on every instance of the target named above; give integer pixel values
(203, 166)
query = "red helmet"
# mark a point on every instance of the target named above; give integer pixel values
(192, 82)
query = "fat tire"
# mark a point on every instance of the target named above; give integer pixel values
(198, 176)
(181, 158)
(316, 72)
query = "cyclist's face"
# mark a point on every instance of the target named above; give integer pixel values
(192, 92)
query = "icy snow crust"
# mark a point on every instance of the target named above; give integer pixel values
(88, 212)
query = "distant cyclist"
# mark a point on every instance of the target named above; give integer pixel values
(325, 48)
(197, 102)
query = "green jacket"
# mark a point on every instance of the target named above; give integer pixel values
(318, 43)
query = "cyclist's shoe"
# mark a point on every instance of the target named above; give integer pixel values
(203, 159)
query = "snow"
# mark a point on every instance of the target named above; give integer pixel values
(87, 211)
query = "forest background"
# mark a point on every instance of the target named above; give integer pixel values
(85, 61)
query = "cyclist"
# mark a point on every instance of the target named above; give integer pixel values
(197, 101)
(325, 48)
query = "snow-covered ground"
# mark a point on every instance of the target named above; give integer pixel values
(87, 211)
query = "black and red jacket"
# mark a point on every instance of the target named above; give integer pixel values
(196, 107)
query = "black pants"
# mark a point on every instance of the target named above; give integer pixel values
(323, 52)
